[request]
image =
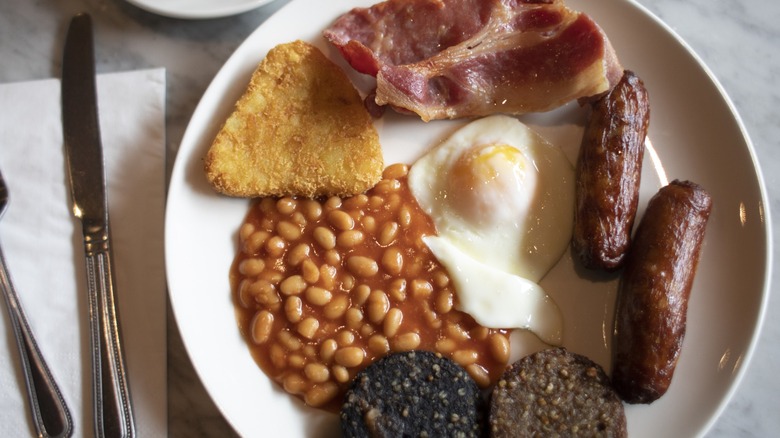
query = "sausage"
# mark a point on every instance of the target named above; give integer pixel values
(654, 289)
(608, 173)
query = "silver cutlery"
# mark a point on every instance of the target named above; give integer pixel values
(112, 407)
(50, 413)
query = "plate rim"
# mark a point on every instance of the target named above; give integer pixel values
(767, 216)
(215, 11)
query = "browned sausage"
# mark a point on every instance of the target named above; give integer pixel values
(654, 290)
(609, 166)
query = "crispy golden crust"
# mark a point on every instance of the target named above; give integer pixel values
(299, 129)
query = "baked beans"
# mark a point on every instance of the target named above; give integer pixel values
(293, 308)
(318, 296)
(316, 372)
(310, 271)
(324, 287)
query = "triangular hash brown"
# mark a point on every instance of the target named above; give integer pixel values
(299, 129)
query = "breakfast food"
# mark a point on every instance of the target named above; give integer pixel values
(412, 394)
(555, 393)
(299, 129)
(465, 58)
(609, 169)
(501, 198)
(324, 287)
(651, 313)
(444, 259)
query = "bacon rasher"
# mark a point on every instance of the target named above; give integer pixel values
(464, 58)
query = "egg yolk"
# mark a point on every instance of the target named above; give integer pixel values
(490, 185)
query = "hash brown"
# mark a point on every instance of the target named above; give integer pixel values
(300, 128)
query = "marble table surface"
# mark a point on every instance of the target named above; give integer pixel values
(739, 42)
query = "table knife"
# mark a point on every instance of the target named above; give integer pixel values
(112, 407)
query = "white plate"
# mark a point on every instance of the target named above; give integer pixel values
(198, 9)
(695, 134)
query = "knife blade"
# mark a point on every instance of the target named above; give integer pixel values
(112, 407)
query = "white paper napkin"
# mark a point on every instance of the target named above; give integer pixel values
(42, 244)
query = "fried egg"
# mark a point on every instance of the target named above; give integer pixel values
(502, 197)
(497, 299)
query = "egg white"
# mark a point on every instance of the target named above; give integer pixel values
(500, 193)
(496, 299)
(502, 201)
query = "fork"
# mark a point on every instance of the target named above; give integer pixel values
(51, 416)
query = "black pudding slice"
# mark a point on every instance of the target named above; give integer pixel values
(412, 394)
(555, 393)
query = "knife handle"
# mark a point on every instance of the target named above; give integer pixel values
(112, 405)
(50, 413)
